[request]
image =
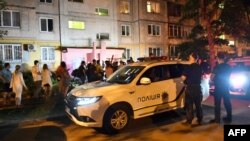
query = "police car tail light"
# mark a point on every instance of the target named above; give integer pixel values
(238, 80)
(87, 100)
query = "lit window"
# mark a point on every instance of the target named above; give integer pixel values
(125, 7)
(102, 36)
(46, 24)
(46, 1)
(81, 1)
(154, 30)
(10, 52)
(9, 18)
(176, 31)
(76, 25)
(48, 54)
(125, 30)
(102, 11)
(153, 7)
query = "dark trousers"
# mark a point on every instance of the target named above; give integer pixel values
(38, 87)
(218, 96)
(193, 97)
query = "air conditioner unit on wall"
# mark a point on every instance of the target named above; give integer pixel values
(31, 47)
(28, 47)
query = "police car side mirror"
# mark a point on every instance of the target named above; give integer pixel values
(145, 81)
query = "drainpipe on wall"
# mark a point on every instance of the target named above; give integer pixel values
(60, 32)
(139, 32)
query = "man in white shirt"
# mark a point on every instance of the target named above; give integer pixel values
(36, 74)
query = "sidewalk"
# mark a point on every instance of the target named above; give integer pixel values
(32, 110)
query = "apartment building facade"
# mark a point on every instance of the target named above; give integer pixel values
(154, 27)
(33, 32)
(75, 30)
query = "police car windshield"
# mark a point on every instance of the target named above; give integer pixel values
(125, 75)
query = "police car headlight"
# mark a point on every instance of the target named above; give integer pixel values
(87, 100)
(238, 80)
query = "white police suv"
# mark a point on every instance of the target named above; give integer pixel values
(134, 91)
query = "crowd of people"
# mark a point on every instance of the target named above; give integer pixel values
(95, 71)
(13, 82)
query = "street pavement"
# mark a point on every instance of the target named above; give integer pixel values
(240, 106)
(163, 127)
(31, 110)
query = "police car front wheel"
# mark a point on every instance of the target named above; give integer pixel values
(116, 119)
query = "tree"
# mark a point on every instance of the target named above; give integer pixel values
(197, 45)
(2, 6)
(236, 19)
(217, 17)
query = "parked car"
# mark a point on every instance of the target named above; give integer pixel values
(138, 90)
(240, 77)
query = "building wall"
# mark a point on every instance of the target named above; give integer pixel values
(29, 30)
(63, 11)
(94, 23)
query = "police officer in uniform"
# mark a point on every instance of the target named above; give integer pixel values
(193, 95)
(220, 76)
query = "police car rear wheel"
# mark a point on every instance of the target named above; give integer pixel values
(116, 119)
